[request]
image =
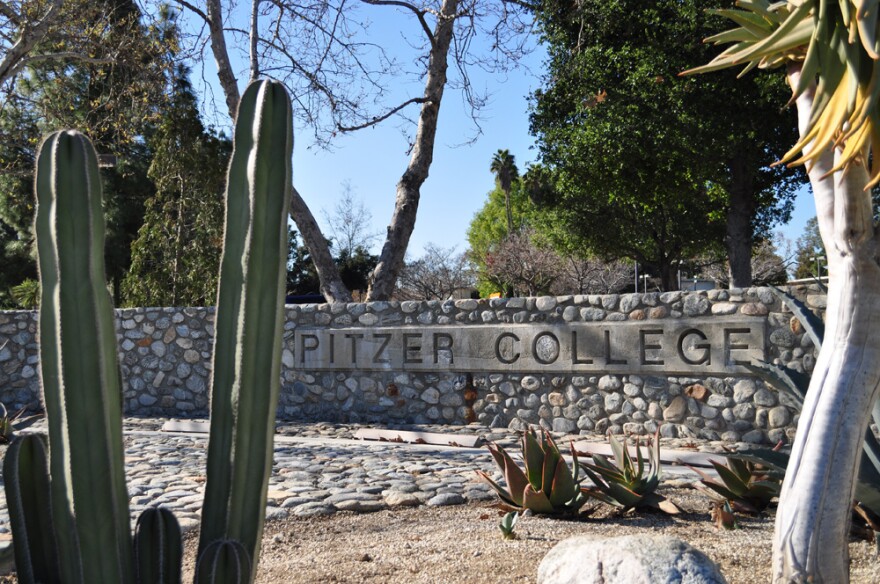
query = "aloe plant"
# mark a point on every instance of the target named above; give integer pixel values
(546, 485)
(829, 50)
(627, 484)
(69, 503)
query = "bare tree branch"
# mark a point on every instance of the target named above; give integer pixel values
(29, 35)
(254, 39)
(10, 14)
(195, 10)
(419, 12)
(383, 117)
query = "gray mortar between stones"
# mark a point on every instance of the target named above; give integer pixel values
(165, 356)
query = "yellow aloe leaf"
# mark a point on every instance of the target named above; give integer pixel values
(734, 35)
(748, 20)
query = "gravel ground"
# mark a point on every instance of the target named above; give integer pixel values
(462, 544)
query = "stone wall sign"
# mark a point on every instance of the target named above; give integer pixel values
(690, 346)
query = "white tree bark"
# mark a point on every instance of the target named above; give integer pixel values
(29, 34)
(813, 521)
(408, 188)
(214, 19)
(332, 287)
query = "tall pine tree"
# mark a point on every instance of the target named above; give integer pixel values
(116, 103)
(176, 255)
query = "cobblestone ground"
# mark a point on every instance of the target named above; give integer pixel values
(318, 470)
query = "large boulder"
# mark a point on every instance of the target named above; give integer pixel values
(630, 559)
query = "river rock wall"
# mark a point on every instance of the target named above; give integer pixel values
(621, 363)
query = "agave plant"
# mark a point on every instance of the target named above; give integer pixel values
(625, 483)
(546, 485)
(747, 486)
(12, 423)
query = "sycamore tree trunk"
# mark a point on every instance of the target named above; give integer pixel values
(214, 18)
(328, 274)
(406, 205)
(332, 287)
(813, 520)
(738, 239)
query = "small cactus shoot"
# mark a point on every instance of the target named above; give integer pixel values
(223, 562)
(26, 481)
(158, 547)
(508, 522)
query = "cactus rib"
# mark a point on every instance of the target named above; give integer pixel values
(249, 321)
(158, 547)
(26, 481)
(79, 368)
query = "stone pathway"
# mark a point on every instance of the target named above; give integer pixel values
(319, 469)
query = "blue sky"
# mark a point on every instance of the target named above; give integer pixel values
(373, 160)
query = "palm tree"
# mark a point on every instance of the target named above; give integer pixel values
(504, 167)
(829, 49)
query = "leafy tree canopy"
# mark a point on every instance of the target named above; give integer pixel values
(642, 159)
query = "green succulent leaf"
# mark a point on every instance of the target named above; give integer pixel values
(533, 456)
(537, 501)
(618, 449)
(513, 475)
(564, 488)
(505, 496)
(552, 460)
(813, 325)
(507, 524)
(772, 459)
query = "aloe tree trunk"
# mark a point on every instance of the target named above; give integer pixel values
(813, 521)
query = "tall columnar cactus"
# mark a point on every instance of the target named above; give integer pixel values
(70, 513)
(249, 326)
(82, 386)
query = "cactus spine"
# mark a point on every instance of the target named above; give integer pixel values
(80, 374)
(158, 547)
(249, 326)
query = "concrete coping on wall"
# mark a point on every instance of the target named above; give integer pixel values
(629, 363)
